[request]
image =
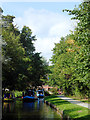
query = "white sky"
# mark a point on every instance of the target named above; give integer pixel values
(46, 20)
(41, 0)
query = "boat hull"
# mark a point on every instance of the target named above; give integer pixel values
(8, 100)
(29, 99)
(40, 96)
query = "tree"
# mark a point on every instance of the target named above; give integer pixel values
(71, 56)
(81, 34)
(13, 54)
(21, 66)
(27, 39)
(34, 67)
(63, 55)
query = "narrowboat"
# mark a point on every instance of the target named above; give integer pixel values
(29, 96)
(40, 93)
(8, 97)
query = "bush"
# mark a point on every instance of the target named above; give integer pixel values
(54, 91)
(18, 93)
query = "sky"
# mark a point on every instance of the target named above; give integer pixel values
(45, 19)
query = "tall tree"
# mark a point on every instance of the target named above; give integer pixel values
(27, 40)
(71, 56)
(12, 52)
(82, 35)
(22, 65)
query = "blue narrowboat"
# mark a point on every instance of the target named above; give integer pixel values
(40, 93)
(29, 96)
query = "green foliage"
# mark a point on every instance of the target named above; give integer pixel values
(21, 66)
(54, 91)
(13, 54)
(27, 39)
(18, 93)
(70, 60)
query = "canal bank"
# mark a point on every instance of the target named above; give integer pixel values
(66, 109)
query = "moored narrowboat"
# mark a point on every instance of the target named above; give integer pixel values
(40, 93)
(8, 96)
(29, 96)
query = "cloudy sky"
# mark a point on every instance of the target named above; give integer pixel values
(45, 19)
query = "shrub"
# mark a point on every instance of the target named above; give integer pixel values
(54, 91)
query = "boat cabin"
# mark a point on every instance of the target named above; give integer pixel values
(29, 93)
(40, 93)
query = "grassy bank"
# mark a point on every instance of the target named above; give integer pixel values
(73, 111)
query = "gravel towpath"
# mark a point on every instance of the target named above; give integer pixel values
(87, 105)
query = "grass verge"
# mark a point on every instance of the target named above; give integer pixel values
(72, 110)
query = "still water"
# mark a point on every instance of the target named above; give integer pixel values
(37, 110)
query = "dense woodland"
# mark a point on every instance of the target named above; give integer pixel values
(22, 66)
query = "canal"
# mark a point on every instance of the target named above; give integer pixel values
(37, 110)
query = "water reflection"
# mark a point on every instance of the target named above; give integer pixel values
(20, 110)
(8, 107)
(28, 106)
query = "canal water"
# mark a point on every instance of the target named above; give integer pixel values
(37, 110)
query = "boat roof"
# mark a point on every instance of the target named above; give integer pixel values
(39, 90)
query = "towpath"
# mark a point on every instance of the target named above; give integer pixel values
(87, 105)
